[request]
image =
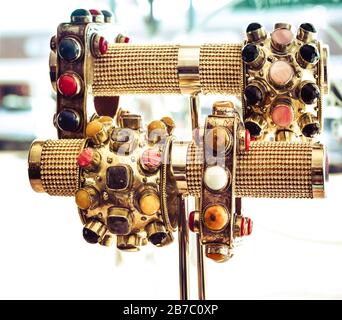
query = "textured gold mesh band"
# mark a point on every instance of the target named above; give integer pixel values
(58, 167)
(221, 69)
(152, 69)
(275, 170)
(194, 169)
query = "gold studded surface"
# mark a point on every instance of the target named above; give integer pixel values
(59, 169)
(194, 169)
(152, 69)
(274, 170)
(136, 69)
(221, 69)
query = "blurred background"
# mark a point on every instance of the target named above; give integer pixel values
(295, 251)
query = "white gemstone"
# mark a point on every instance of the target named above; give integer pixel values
(215, 178)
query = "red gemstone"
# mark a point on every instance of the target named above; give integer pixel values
(242, 231)
(151, 159)
(95, 12)
(103, 45)
(85, 158)
(67, 85)
(247, 139)
(191, 221)
(250, 226)
(122, 39)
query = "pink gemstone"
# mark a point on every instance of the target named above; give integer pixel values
(282, 36)
(282, 115)
(85, 158)
(151, 159)
(281, 73)
(191, 221)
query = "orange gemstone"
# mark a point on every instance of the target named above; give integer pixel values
(218, 257)
(216, 217)
(149, 203)
(105, 119)
(93, 128)
(86, 198)
(83, 199)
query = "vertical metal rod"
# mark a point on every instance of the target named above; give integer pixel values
(183, 240)
(195, 123)
(195, 112)
(200, 261)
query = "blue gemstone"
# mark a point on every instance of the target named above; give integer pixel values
(68, 120)
(106, 13)
(80, 13)
(69, 49)
(108, 16)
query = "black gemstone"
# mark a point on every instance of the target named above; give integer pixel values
(157, 238)
(68, 120)
(118, 225)
(253, 95)
(308, 27)
(250, 52)
(253, 128)
(309, 93)
(310, 130)
(309, 53)
(253, 26)
(90, 236)
(80, 13)
(69, 49)
(117, 177)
